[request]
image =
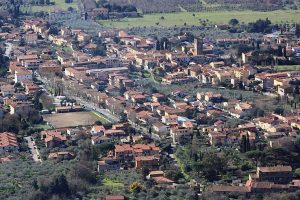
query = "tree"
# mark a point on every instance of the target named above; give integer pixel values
(256, 155)
(135, 187)
(145, 172)
(233, 22)
(22, 42)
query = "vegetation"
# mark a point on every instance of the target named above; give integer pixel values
(58, 5)
(192, 18)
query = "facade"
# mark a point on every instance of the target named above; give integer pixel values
(8, 142)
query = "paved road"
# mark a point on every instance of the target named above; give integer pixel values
(33, 149)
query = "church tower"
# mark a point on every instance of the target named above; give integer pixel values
(198, 46)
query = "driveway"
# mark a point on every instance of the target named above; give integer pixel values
(33, 149)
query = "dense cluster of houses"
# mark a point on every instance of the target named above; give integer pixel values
(176, 115)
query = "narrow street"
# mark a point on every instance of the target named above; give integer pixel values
(33, 149)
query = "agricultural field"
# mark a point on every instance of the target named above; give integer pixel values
(287, 67)
(193, 18)
(73, 119)
(59, 5)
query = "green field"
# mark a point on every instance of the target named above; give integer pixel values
(179, 18)
(112, 183)
(282, 68)
(287, 67)
(59, 5)
(101, 118)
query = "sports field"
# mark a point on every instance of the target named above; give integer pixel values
(73, 119)
(192, 18)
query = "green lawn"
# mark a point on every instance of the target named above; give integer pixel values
(59, 5)
(179, 18)
(43, 126)
(101, 118)
(287, 67)
(112, 183)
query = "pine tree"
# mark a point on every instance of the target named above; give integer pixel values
(243, 144)
(248, 147)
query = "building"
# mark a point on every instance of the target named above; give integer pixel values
(19, 107)
(129, 152)
(53, 138)
(149, 162)
(61, 155)
(21, 75)
(108, 164)
(101, 139)
(198, 46)
(114, 197)
(8, 142)
(277, 174)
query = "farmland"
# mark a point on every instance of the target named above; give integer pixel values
(73, 119)
(192, 18)
(59, 5)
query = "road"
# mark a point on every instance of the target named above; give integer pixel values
(33, 149)
(88, 105)
(8, 49)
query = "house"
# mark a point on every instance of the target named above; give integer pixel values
(169, 119)
(115, 134)
(182, 133)
(217, 138)
(278, 174)
(161, 180)
(19, 107)
(209, 96)
(243, 106)
(7, 90)
(83, 37)
(21, 75)
(49, 67)
(157, 97)
(108, 164)
(149, 162)
(160, 128)
(114, 197)
(61, 155)
(217, 64)
(153, 174)
(53, 138)
(65, 109)
(101, 139)
(8, 142)
(128, 152)
(97, 130)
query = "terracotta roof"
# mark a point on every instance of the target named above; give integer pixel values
(8, 139)
(278, 168)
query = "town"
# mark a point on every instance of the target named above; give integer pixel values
(111, 114)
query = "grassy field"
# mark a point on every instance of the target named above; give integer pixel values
(112, 183)
(59, 5)
(101, 118)
(73, 119)
(42, 126)
(179, 18)
(287, 67)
